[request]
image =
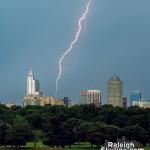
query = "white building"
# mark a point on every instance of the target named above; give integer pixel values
(143, 104)
(33, 85)
(93, 96)
(10, 105)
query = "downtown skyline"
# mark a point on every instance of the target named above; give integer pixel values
(115, 40)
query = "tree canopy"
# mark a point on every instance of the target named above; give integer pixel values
(60, 126)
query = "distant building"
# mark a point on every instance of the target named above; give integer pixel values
(59, 102)
(135, 96)
(33, 85)
(42, 101)
(10, 105)
(33, 93)
(142, 104)
(67, 101)
(83, 97)
(35, 97)
(47, 100)
(30, 100)
(124, 102)
(91, 97)
(115, 91)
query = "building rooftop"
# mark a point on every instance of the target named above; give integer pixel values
(115, 78)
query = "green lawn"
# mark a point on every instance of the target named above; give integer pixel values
(77, 146)
(147, 148)
(38, 144)
(41, 146)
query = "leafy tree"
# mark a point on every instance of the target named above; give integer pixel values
(18, 135)
(36, 120)
(38, 136)
(3, 128)
(68, 130)
(20, 120)
(54, 134)
(136, 133)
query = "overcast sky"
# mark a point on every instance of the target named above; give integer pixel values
(35, 33)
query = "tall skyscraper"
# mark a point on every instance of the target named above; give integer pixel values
(135, 96)
(33, 93)
(33, 85)
(91, 97)
(115, 91)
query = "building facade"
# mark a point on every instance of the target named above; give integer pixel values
(83, 97)
(41, 101)
(142, 104)
(115, 91)
(91, 97)
(33, 85)
(67, 101)
(135, 96)
(125, 100)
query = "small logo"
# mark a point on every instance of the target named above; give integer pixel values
(120, 146)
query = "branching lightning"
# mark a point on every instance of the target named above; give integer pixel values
(80, 21)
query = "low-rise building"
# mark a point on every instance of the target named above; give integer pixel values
(143, 104)
(67, 101)
(41, 101)
(10, 105)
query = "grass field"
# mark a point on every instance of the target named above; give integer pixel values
(77, 146)
(41, 146)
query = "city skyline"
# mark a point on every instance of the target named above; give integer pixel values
(34, 35)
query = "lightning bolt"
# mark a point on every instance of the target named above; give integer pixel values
(80, 21)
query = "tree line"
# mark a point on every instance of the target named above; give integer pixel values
(58, 126)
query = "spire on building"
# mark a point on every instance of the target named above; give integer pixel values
(30, 72)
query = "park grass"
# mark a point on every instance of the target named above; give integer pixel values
(147, 148)
(38, 144)
(41, 146)
(76, 146)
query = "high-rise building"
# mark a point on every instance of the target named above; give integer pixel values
(115, 91)
(33, 85)
(33, 91)
(83, 97)
(91, 97)
(135, 96)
